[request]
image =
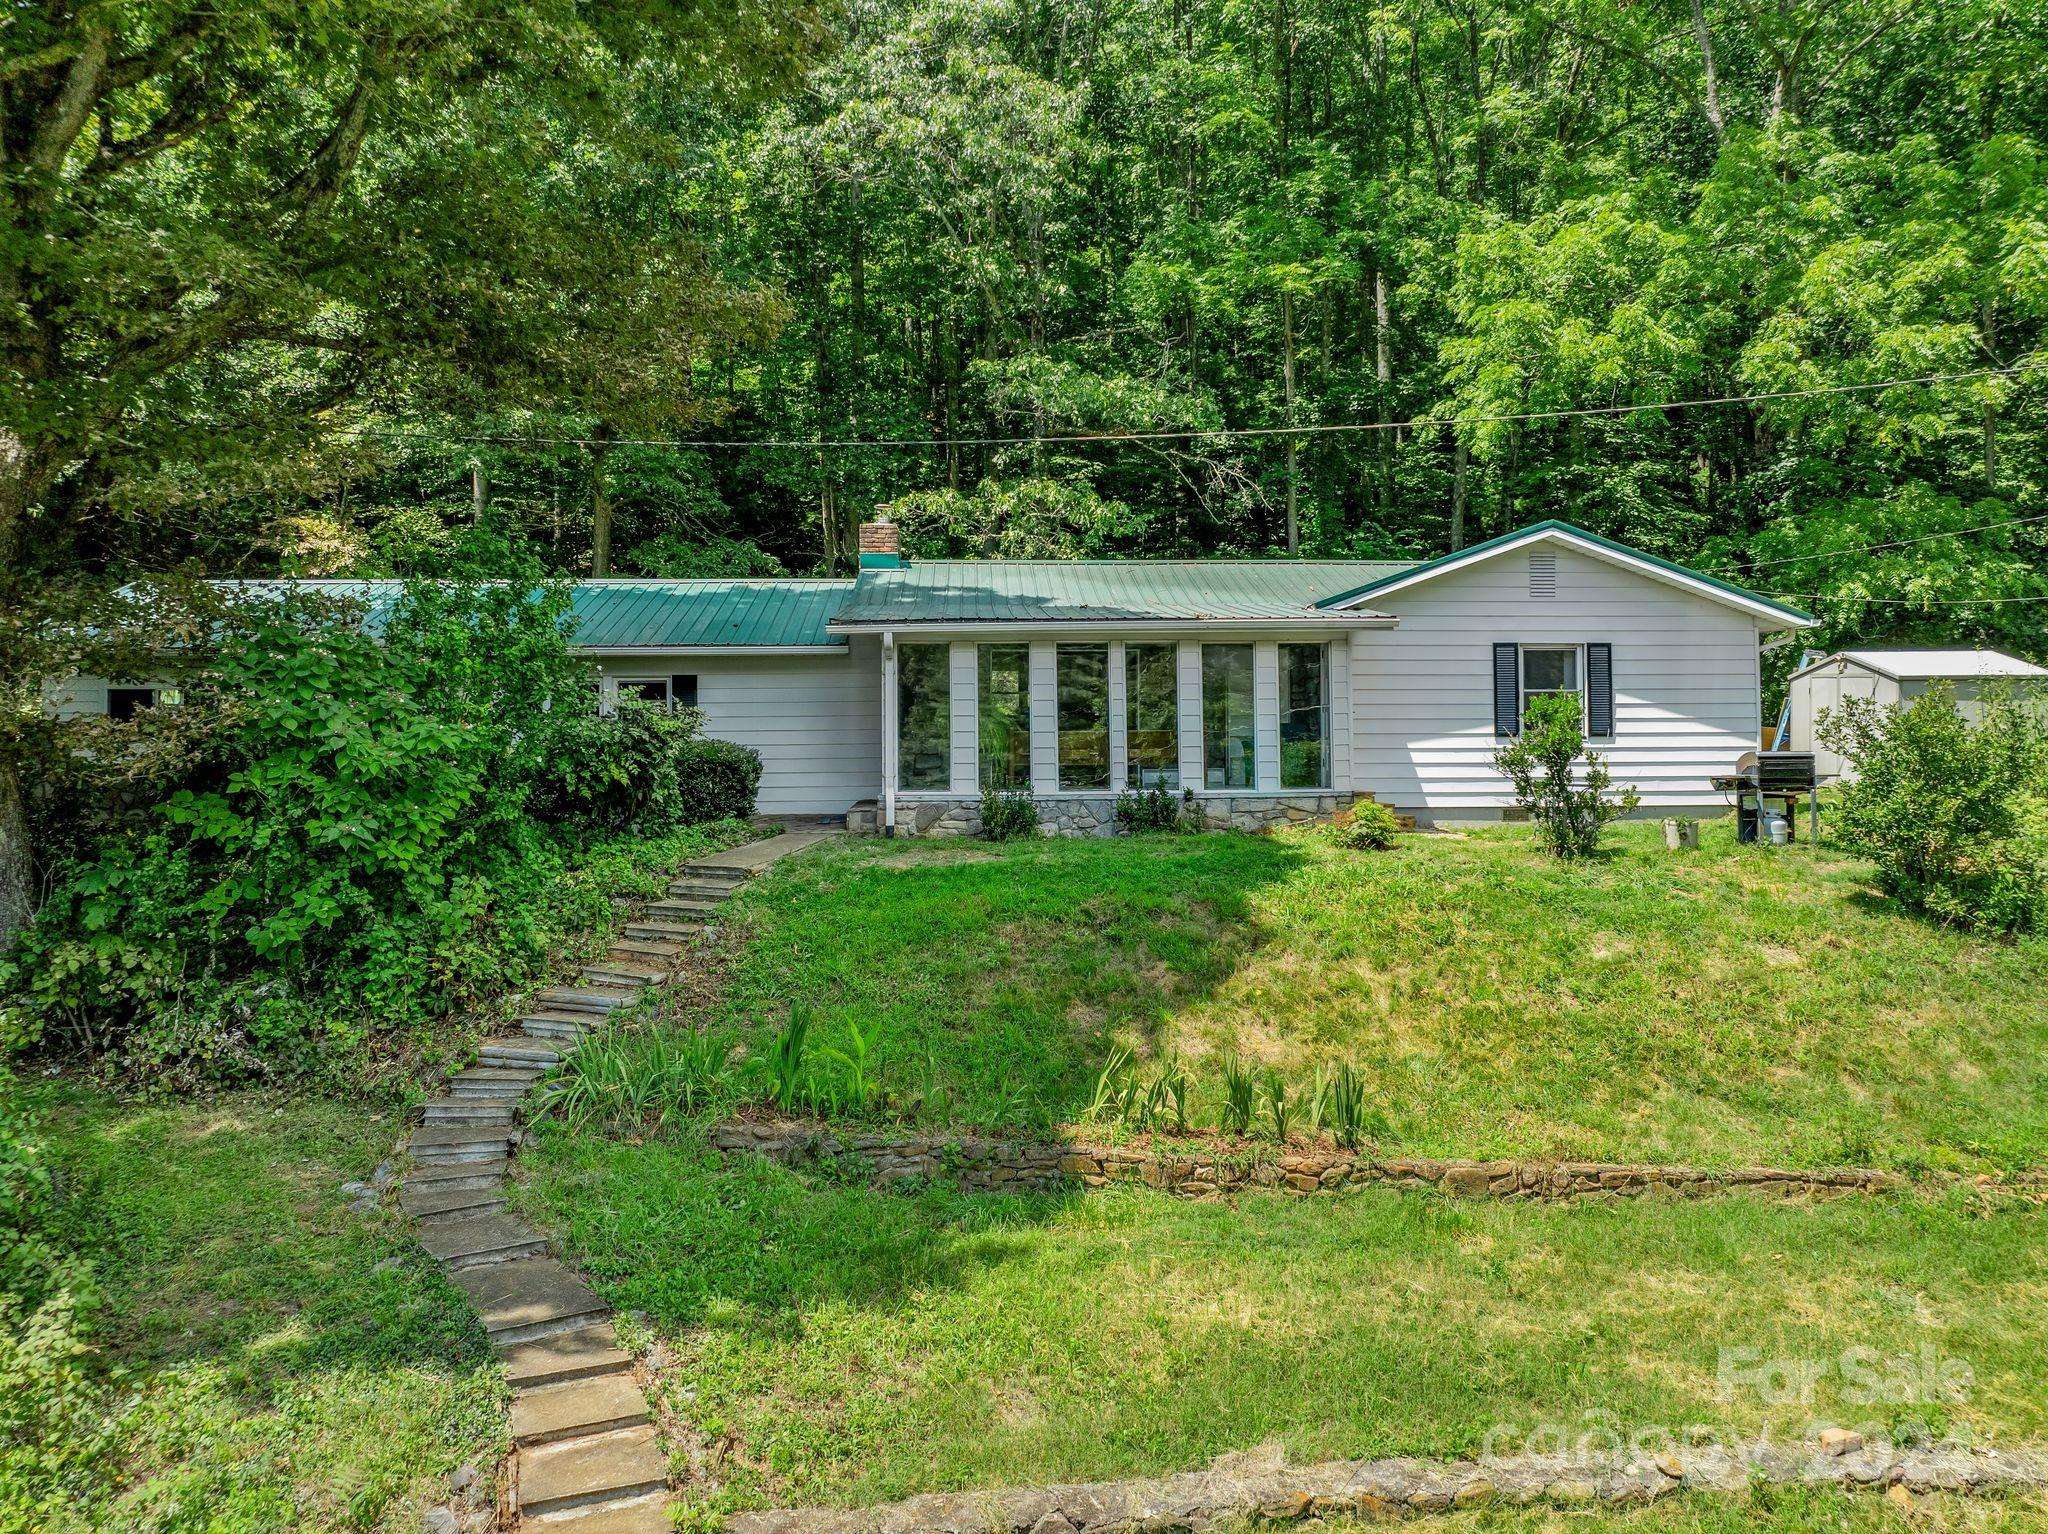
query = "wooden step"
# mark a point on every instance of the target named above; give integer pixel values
(598, 1000)
(611, 972)
(664, 951)
(519, 1052)
(446, 1144)
(558, 1027)
(492, 1081)
(679, 933)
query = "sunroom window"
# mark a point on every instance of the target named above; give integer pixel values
(1152, 715)
(1083, 676)
(924, 754)
(1229, 741)
(1005, 709)
(1304, 716)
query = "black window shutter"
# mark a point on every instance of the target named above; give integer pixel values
(682, 691)
(1600, 690)
(1507, 689)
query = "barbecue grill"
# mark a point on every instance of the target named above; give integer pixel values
(1763, 780)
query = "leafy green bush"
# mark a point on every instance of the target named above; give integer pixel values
(52, 1422)
(1156, 809)
(1954, 813)
(339, 836)
(1570, 805)
(716, 780)
(1007, 817)
(1368, 826)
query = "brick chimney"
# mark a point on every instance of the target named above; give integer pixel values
(880, 546)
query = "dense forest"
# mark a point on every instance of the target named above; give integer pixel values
(683, 288)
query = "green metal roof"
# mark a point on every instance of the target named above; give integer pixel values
(944, 591)
(1481, 550)
(637, 614)
(657, 614)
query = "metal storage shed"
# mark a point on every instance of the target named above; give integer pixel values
(1889, 676)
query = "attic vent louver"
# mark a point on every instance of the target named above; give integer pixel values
(1543, 576)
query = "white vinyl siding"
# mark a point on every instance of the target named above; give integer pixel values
(966, 713)
(1685, 697)
(815, 719)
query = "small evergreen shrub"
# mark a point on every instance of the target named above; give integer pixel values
(1954, 814)
(1156, 809)
(716, 780)
(1368, 826)
(1569, 804)
(1006, 817)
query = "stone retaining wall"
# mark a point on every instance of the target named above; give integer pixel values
(1239, 1487)
(1093, 815)
(990, 1165)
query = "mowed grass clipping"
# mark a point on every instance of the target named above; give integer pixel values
(851, 1346)
(283, 1363)
(1724, 1006)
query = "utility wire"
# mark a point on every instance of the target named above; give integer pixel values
(1417, 423)
(1870, 548)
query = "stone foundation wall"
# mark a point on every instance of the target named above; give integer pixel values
(1092, 815)
(987, 1165)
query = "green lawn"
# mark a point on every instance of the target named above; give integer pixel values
(273, 1360)
(855, 1346)
(1721, 1007)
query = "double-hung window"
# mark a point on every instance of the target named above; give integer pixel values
(1550, 669)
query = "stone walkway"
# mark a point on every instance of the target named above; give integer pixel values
(586, 1457)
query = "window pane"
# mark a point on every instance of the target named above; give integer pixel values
(1304, 717)
(1229, 756)
(1083, 671)
(1152, 715)
(646, 691)
(1005, 715)
(924, 717)
(1550, 670)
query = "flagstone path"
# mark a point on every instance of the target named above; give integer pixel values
(586, 1456)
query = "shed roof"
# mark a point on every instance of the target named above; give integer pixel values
(1931, 665)
(625, 614)
(961, 591)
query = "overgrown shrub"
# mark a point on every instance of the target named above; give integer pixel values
(1954, 813)
(1007, 817)
(339, 835)
(1571, 805)
(716, 780)
(641, 769)
(1368, 826)
(1157, 809)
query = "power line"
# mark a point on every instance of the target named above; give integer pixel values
(1838, 596)
(1870, 548)
(1415, 423)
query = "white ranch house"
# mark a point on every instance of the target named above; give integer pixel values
(1272, 689)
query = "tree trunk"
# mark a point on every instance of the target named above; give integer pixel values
(1712, 105)
(1461, 461)
(1383, 374)
(600, 507)
(15, 901)
(1287, 390)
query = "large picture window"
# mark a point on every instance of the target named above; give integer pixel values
(1005, 707)
(1229, 741)
(1548, 669)
(924, 717)
(1304, 716)
(1152, 715)
(1083, 674)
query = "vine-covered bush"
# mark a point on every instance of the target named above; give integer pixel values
(363, 819)
(1953, 812)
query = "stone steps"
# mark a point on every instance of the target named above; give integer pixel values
(488, 1081)
(442, 1145)
(483, 1111)
(635, 1515)
(580, 1472)
(582, 1353)
(716, 891)
(530, 1298)
(572, 1409)
(431, 1203)
(679, 932)
(667, 952)
(677, 909)
(599, 1001)
(614, 972)
(480, 1240)
(718, 873)
(558, 1027)
(517, 1052)
(457, 1177)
